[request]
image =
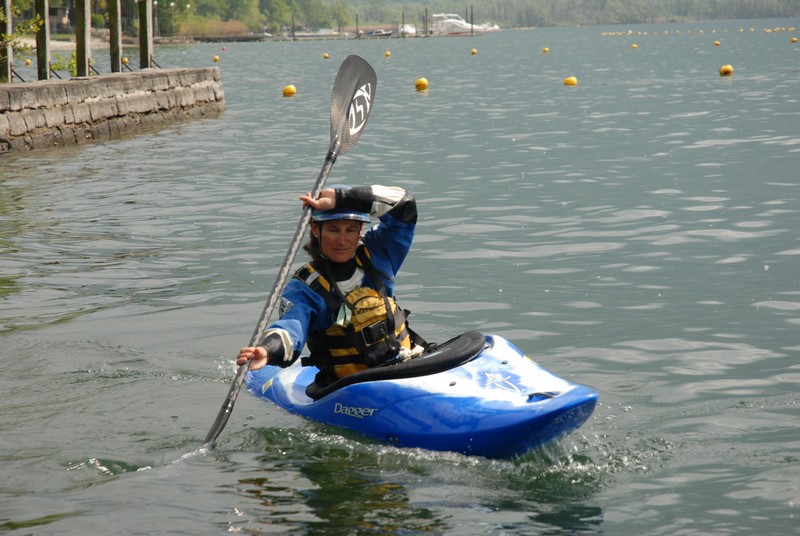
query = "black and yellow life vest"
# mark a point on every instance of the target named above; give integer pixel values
(374, 333)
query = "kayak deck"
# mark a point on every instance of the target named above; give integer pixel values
(453, 353)
(490, 401)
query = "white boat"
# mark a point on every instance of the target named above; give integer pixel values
(453, 24)
(406, 30)
(380, 32)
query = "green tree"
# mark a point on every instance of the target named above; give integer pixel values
(245, 11)
(277, 13)
(22, 7)
(319, 15)
(341, 13)
(213, 9)
(23, 27)
(314, 13)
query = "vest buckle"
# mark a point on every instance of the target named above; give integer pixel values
(374, 333)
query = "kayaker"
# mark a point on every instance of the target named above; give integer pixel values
(342, 303)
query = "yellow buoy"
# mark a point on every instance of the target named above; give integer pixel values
(570, 81)
(216, 59)
(726, 70)
(716, 43)
(634, 45)
(289, 90)
(325, 55)
(124, 61)
(794, 40)
(388, 54)
(545, 50)
(27, 61)
(421, 84)
(474, 51)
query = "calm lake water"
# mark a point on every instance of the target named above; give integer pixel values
(638, 233)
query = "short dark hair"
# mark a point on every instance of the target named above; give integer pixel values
(312, 246)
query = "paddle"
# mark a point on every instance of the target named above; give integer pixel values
(351, 102)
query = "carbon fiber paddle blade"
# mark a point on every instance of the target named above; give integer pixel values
(351, 102)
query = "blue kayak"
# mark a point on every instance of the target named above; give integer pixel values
(475, 394)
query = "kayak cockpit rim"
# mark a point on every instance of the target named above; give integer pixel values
(445, 356)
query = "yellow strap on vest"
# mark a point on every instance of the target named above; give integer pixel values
(368, 311)
(368, 308)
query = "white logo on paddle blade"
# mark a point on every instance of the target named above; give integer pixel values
(359, 108)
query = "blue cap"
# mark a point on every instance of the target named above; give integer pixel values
(339, 214)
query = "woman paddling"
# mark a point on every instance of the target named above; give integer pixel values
(342, 303)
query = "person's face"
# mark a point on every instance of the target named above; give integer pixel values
(338, 238)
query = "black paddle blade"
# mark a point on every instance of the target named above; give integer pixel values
(351, 102)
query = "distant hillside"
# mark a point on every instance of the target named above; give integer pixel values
(529, 13)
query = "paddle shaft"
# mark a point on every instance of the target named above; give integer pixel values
(353, 92)
(275, 294)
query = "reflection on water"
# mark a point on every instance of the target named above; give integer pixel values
(340, 482)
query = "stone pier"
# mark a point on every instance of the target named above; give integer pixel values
(67, 112)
